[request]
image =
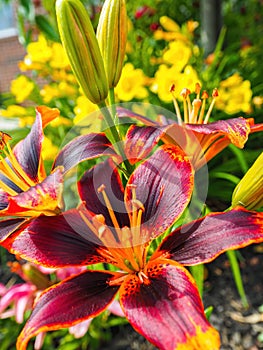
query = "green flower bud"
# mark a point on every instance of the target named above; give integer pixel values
(112, 38)
(249, 191)
(80, 42)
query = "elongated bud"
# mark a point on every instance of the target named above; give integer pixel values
(80, 42)
(249, 191)
(112, 38)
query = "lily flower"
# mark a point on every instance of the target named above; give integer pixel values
(116, 226)
(199, 139)
(26, 191)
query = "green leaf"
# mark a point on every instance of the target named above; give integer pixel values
(47, 28)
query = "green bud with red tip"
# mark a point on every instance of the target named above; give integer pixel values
(80, 42)
(112, 38)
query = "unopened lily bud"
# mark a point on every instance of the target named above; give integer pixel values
(112, 38)
(249, 191)
(81, 45)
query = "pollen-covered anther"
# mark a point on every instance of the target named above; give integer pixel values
(204, 95)
(98, 219)
(101, 188)
(196, 107)
(172, 88)
(137, 204)
(197, 89)
(185, 92)
(4, 138)
(215, 93)
(101, 230)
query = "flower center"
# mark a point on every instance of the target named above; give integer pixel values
(11, 169)
(124, 246)
(194, 113)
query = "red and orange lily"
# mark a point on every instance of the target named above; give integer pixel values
(199, 139)
(116, 225)
(26, 191)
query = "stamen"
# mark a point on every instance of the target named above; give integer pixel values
(185, 94)
(176, 106)
(13, 172)
(88, 223)
(196, 106)
(202, 113)
(7, 189)
(117, 281)
(214, 95)
(197, 90)
(101, 189)
(4, 138)
(17, 167)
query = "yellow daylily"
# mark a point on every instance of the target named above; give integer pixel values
(235, 95)
(178, 54)
(132, 84)
(21, 88)
(165, 77)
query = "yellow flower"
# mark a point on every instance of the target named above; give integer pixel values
(48, 149)
(249, 191)
(62, 89)
(63, 75)
(83, 108)
(178, 54)
(38, 51)
(59, 57)
(21, 88)
(172, 31)
(48, 92)
(235, 95)
(165, 77)
(86, 116)
(132, 84)
(14, 111)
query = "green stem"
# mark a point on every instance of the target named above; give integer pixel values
(232, 257)
(115, 135)
(112, 103)
(198, 274)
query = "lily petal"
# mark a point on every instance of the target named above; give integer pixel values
(163, 184)
(56, 241)
(28, 151)
(166, 308)
(45, 197)
(74, 300)
(236, 129)
(104, 174)
(204, 239)
(140, 141)
(47, 114)
(11, 225)
(82, 148)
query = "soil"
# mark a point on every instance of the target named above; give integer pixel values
(239, 327)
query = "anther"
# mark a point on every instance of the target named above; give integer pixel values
(185, 92)
(101, 188)
(4, 138)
